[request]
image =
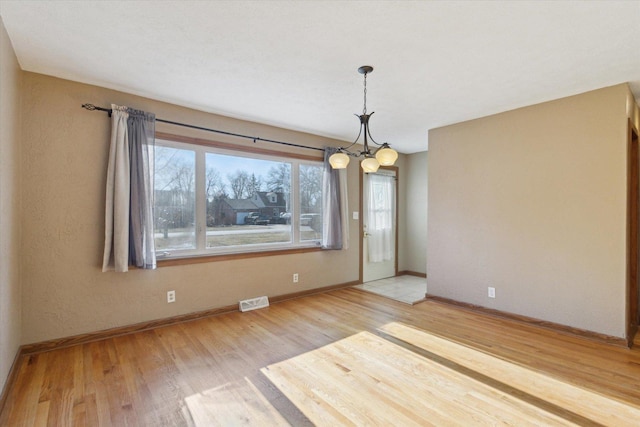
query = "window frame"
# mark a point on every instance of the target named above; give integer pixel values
(203, 254)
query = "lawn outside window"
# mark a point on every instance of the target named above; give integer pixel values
(218, 201)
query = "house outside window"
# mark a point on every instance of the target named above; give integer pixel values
(210, 200)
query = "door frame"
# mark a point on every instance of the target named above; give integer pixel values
(361, 222)
(633, 236)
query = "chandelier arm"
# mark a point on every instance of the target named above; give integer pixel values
(359, 132)
(352, 154)
(346, 149)
(371, 137)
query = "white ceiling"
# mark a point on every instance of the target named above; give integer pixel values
(293, 63)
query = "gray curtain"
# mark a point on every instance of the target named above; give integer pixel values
(141, 128)
(129, 196)
(331, 205)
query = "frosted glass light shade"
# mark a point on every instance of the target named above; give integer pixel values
(370, 164)
(339, 160)
(387, 156)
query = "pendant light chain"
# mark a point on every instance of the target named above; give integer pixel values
(364, 109)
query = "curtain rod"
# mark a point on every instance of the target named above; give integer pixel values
(92, 107)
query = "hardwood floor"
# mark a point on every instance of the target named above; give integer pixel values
(208, 371)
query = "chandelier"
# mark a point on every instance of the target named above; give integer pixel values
(373, 159)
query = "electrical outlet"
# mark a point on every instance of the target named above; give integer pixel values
(492, 292)
(295, 277)
(171, 296)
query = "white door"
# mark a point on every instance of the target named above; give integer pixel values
(379, 225)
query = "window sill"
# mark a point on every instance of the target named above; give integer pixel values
(229, 257)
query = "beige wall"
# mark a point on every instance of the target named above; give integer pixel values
(401, 215)
(533, 203)
(415, 209)
(65, 155)
(10, 296)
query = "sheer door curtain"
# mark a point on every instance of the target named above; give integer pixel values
(129, 229)
(381, 199)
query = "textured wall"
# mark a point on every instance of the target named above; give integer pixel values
(65, 152)
(415, 173)
(10, 301)
(533, 202)
(401, 215)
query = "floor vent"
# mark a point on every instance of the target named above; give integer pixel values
(254, 303)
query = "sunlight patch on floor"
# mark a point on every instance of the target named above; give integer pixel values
(408, 376)
(583, 405)
(232, 404)
(367, 380)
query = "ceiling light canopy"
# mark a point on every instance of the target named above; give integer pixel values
(381, 156)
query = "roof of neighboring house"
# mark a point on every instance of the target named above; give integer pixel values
(241, 204)
(261, 199)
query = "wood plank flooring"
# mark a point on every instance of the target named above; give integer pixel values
(367, 380)
(208, 371)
